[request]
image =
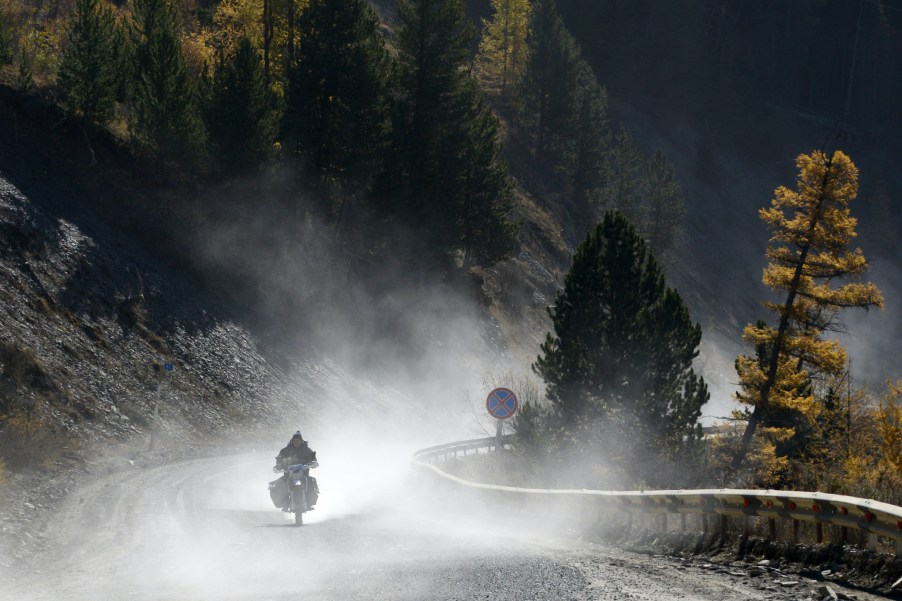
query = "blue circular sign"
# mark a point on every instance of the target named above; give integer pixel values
(168, 366)
(501, 403)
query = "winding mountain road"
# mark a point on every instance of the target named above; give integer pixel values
(205, 530)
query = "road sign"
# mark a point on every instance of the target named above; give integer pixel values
(501, 403)
(168, 366)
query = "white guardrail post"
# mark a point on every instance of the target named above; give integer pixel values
(873, 517)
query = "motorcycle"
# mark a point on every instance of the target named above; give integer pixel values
(302, 491)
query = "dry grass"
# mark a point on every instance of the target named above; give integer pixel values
(23, 367)
(25, 435)
(133, 316)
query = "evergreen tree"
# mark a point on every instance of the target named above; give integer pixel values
(809, 249)
(338, 114)
(445, 175)
(242, 115)
(502, 48)
(665, 207)
(549, 87)
(164, 117)
(7, 38)
(25, 74)
(268, 35)
(486, 190)
(590, 168)
(90, 69)
(624, 191)
(618, 365)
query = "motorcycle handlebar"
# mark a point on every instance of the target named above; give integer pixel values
(284, 468)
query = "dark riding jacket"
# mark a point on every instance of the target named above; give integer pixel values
(291, 455)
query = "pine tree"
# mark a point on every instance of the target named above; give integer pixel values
(242, 115)
(590, 168)
(164, 116)
(486, 190)
(664, 198)
(7, 38)
(433, 48)
(549, 88)
(338, 113)
(808, 251)
(624, 191)
(502, 48)
(89, 73)
(25, 73)
(445, 175)
(618, 366)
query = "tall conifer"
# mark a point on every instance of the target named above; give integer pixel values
(446, 176)
(242, 114)
(7, 37)
(625, 189)
(338, 113)
(618, 365)
(90, 70)
(812, 229)
(589, 171)
(549, 86)
(502, 48)
(665, 207)
(164, 117)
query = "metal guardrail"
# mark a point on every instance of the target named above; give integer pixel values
(873, 517)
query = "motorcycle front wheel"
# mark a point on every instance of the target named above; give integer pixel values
(300, 506)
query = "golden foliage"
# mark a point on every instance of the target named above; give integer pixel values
(502, 48)
(769, 469)
(811, 228)
(234, 19)
(41, 43)
(889, 423)
(198, 50)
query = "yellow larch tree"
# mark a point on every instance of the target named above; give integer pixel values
(889, 424)
(502, 48)
(811, 230)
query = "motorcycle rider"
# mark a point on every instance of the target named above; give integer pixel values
(296, 451)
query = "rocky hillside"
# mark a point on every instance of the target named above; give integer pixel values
(109, 274)
(90, 318)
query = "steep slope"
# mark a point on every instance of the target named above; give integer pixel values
(731, 101)
(90, 318)
(267, 317)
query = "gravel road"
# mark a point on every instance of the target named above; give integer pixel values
(204, 529)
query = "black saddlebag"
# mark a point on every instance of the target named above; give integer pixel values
(312, 491)
(278, 492)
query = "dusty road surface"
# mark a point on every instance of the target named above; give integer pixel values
(206, 530)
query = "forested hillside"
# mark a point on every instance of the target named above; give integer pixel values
(373, 185)
(733, 91)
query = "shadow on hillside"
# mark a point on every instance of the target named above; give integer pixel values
(132, 248)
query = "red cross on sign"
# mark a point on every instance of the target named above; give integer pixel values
(501, 403)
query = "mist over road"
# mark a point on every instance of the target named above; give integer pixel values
(205, 529)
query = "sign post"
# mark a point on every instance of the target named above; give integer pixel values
(502, 404)
(167, 368)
